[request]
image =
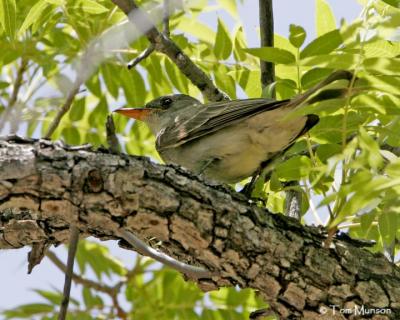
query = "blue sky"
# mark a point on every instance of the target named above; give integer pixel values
(16, 285)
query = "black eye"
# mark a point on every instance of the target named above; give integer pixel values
(165, 102)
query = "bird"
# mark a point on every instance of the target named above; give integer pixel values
(227, 141)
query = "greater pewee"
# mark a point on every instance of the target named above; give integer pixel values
(226, 141)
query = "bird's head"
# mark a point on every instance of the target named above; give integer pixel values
(159, 112)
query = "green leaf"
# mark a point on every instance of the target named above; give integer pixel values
(8, 17)
(283, 43)
(109, 71)
(94, 139)
(329, 127)
(93, 84)
(381, 48)
(236, 297)
(224, 80)
(28, 310)
(271, 54)
(314, 76)
(223, 42)
(175, 76)
(33, 15)
(389, 84)
(159, 83)
(46, 21)
(370, 149)
(91, 7)
(388, 223)
(297, 35)
(91, 300)
(4, 84)
(78, 109)
(71, 135)
(99, 259)
(274, 183)
(324, 17)
(330, 105)
(249, 81)
(259, 186)
(294, 169)
(133, 86)
(97, 116)
(393, 169)
(334, 61)
(325, 151)
(239, 44)
(387, 66)
(285, 89)
(393, 3)
(54, 297)
(32, 126)
(366, 192)
(323, 44)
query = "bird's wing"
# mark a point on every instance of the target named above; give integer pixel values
(210, 118)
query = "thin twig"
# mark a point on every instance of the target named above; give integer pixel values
(267, 68)
(73, 244)
(112, 140)
(14, 94)
(111, 291)
(143, 55)
(142, 248)
(18, 83)
(76, 278)
(64, 109)
(165, 45)
(267, 40)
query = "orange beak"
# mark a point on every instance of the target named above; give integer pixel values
(136, 113)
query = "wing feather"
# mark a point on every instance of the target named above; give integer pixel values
(210, 118)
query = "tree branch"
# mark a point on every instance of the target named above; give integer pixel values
(47, 186)
(73, 245)
(267, 40)
(149, 50)
(166, 46)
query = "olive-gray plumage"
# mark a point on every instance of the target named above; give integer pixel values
(226, 141)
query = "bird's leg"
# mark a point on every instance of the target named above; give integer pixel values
(263, 172)
(248, 188)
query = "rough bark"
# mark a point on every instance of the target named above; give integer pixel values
(45, 186)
